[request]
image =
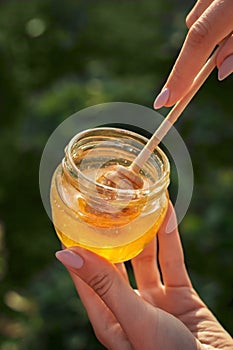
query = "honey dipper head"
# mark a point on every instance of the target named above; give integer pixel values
(121, 177)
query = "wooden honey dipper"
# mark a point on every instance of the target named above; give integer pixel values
(123, 175)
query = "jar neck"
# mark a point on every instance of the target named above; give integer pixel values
(89, 153)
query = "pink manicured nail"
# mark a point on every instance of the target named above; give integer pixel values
(69, 258)
(226, 68)
(162, 98)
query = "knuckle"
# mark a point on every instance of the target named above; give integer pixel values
(199, 32)
(174, 264)
(101, 283)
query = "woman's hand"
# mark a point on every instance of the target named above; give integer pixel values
(163, 313)
(209, 22)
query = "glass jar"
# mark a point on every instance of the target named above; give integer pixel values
(115, 223)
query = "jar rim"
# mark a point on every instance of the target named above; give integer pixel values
(155, 187)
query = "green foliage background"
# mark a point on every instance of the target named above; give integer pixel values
(57, 57)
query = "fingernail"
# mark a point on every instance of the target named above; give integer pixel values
(69, 258)
(226, 68)
(162, 98)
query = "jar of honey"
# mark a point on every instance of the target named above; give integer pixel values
(114, 222)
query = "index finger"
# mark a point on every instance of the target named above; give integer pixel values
(212, 27)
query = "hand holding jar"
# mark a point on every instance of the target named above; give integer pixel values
(164, 312)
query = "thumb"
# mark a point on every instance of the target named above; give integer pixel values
(133, 314)
(102, 276)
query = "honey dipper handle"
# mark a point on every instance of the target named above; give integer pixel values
(174, 114)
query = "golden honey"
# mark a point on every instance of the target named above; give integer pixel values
(113, 222)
